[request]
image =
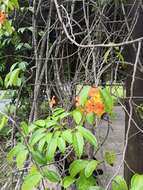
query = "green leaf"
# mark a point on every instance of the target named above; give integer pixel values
(78, 143)
(40, 123)
(65, 114)
(110, 157)
(137, 182)
(91, 166)
(25, 128)
(1, 81)
(41, 143)
(12, 78)
(61, 144)
(52, 146)
(37, 135)
(68, 181)
(39, 157)
(88, 136)
(22, 65)
(90, 117)
(77, 116)
(50, 123)
(108, 100)
(58, 112)
(3, 122)
(32, 127)
(48, 137)
(14, 151)
(6, 80)
(52, 176)
(119, 184)
(27, 46)
(84, 183)
(8, 27)
(84, 95)
(67, 135)
(31, 181)
(21, 157)
(77, 166)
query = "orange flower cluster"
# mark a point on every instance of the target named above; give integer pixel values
(94, 103)
(2, 17)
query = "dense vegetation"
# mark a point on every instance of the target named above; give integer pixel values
(63, 67)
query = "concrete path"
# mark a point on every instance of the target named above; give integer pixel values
(115, 142)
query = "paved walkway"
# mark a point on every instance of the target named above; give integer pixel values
(114, 142)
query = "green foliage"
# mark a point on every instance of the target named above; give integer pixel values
(32, 179)
(19, 152)
(77, 115)
(108, 100)
(83, 95)
(36, 136)
(85, 179)
(67, 135)
(38, 157)
(91, 166)
(7, 7)
(137, 182)
(110, 157)
(47, 137)
(51, 149)
(77, 166)
(88, 136)
(3, 121)
(84, 183)
(119, 184)
(68, 181)
(21, 157)
(61, 144)
(90, 117)
(51, 176)
(78, 143)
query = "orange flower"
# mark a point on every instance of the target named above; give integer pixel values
(99, 109)
(90, 106)
(93, 92)
(52, 102)
(97, 98)
(77, 101)
(2, 17)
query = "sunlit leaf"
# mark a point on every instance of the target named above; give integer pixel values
(68, 181)
(77, 166)
(90, 117)
(91, 166)
(77, 115)
(119, 184)
(61, 144)
(51, 149)
(67, 135)
(88, 136)
(110, 157)
(78, 143)
(83, 95)
(51, 176)
(21, 157)
(137, 182)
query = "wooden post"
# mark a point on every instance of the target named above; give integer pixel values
(134, 152)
